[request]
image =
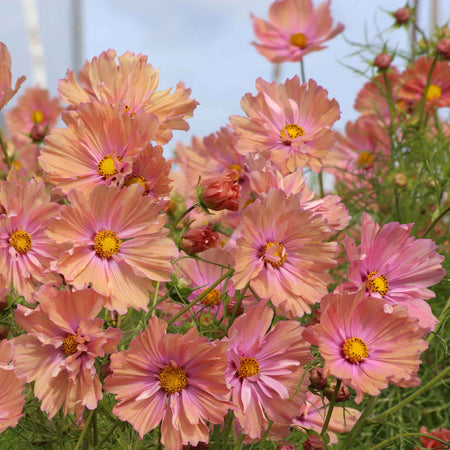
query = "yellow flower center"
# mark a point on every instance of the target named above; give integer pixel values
(106, 244)
(248, 367)
(106, 166)
(172, 379)
(212, 298)
(134, 179)
(376, 283)
(366, 160)
(70, 345)
(37, 116)
(355, 350)
(274, 253)
(290, 132)
(21, 241)
(299, 40)
(434, 92)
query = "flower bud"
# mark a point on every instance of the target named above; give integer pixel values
(199, 239)
(231, 305)
(443, 48)
(4, 331)
(316, 378)
(286, 446)
(402, 15)
(400, 179)
(383, 61)
(343, 393)
(314, 443)
(221, 194)
(105, 370)
(38, 132)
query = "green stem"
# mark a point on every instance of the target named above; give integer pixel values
(330, 407)
(399, 436)
(425, 92)
(435, 221)
(200, 297)
(83, 432)
(95, 428)
(264, 436)
(191, 208)
(5, 151)
(412, 397)
(440, 319)
(226, 429)
(240, 440)
(108, 434)
(302, 71)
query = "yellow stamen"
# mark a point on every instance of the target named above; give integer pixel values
(106, 166)
(434, 92)
(248, 367)
(366, 160)
(212, 298)
(299, 40)
(70, 345)
(134, 179)
(37, 116)
(106, 244)
(290, 132)
(355, 350)
(274, 253)
(21, 241)
(127, 111)
(376, 283)
(172, 379)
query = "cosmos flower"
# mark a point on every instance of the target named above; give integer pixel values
(288, 123)
(176, 380)
(6, 91)
(294, 29)
(118, 243)
(265, 370)
(391, 265)
(430, 443)
(97, 147)
(130, 84)
(58, 352)
(26, 252)
(366, 346)
(11, 399)
(414, 81)
(281, 254)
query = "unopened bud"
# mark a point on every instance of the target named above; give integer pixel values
(286, 446)
(314, 443)
(221, 194)
(343, 393)
(4, 331)
(199, 239)
(402, 15)
(443, 48)
(38, 132)
(105, 370)
(400, 179)
(317, 379)
(383, 61)
(231, 306)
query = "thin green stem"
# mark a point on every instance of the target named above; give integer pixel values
(264, 436)
(227, 428)
(411, 397)
(435, 221)
(302, 71)
(321, 190)
(5, 151)
(440, 319)
(95, 428)
(86, 427)
(191, 208)
(200, 297)
(425, 92)
(330, 407)
(108, 434)
(399, 436)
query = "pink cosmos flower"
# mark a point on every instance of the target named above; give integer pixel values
(294, 29)
(395, 267)
(265, 370)
(118, 243)
(131, 84)
(414, 81)
(313, 412)
(281, 254)
(58, 353)
(288, 123)
(174, 379)
(34, 107)
(430, 443)
(11, 399)
(97, 147)
(6, 92)
(26, 251)
(366, 346)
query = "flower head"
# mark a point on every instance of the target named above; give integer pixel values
(265, 369)
(366, 346)
(430, 443)
(58, 353)
(174, 379)
(294, 29)
(288, 123)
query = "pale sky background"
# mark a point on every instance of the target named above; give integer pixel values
(205, 43)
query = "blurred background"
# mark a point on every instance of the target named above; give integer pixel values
(204, 43)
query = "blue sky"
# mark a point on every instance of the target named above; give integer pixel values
(205, 43)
